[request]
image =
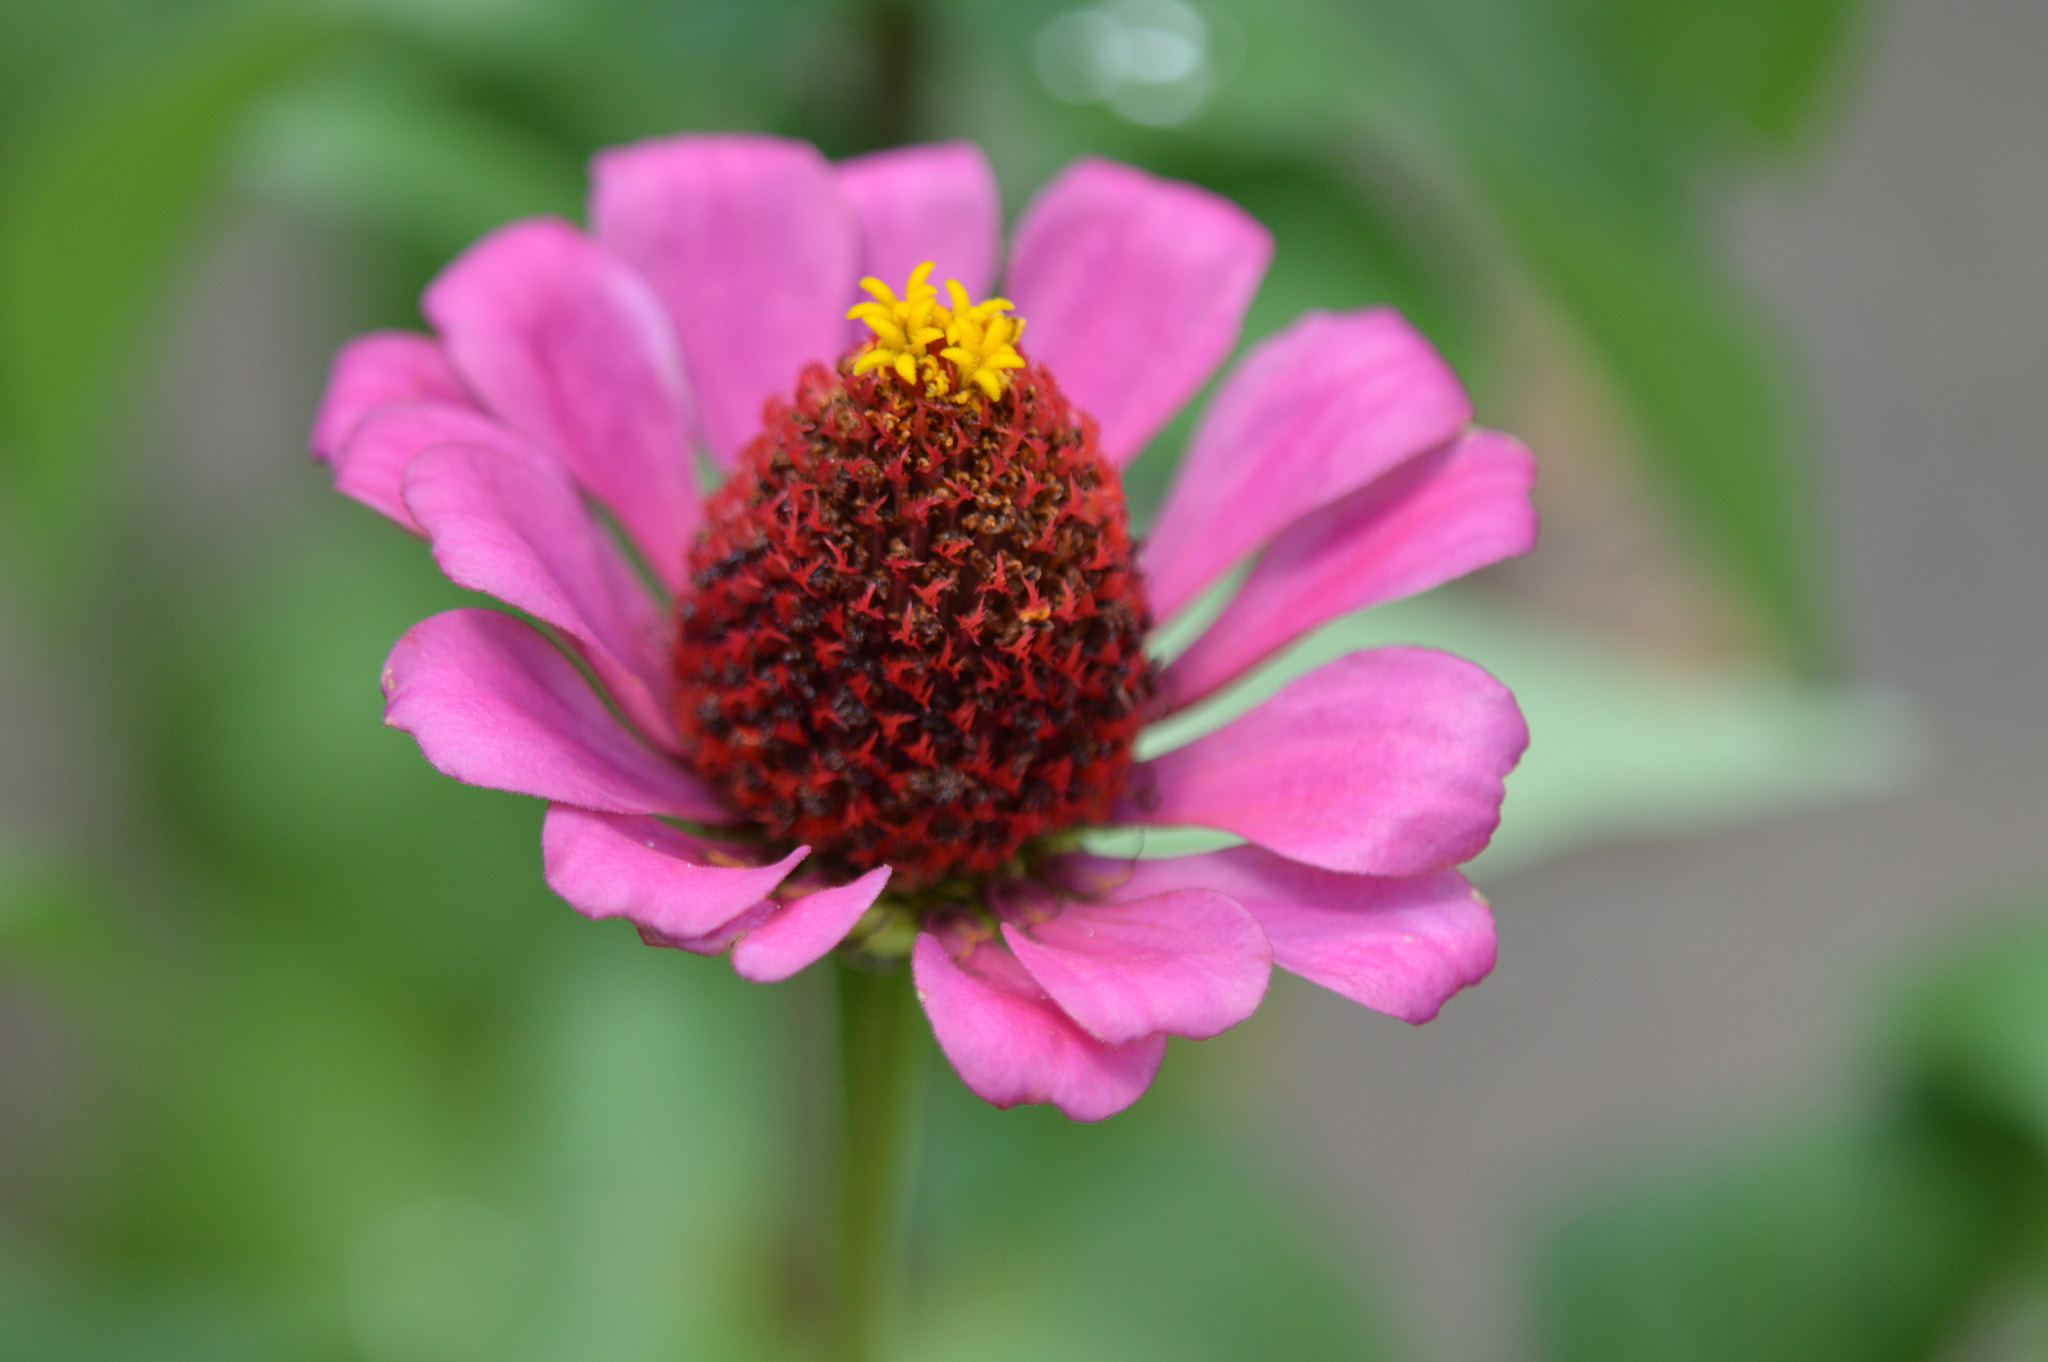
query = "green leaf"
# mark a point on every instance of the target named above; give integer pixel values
(1972, 1028)
(91, 217)
(44, 44)
(1764, 64)
(381, 144)
(1708, 382)
(52, 1311)
(51, 911)
(1884, 1237)
(272, 762)
(1853, 1244)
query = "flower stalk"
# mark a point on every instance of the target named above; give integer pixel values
(882, 1071)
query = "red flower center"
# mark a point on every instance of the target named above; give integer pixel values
(913, 634)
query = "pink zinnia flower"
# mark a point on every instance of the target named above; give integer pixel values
(897, 659)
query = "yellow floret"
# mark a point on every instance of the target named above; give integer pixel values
(965, 351)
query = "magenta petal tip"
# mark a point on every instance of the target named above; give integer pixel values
(1011, 1044)
(804, 929)
(1187, 962)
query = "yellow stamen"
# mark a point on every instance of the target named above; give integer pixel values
(964, 351)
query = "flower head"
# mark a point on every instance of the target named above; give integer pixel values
(914, 635)
(894, 664)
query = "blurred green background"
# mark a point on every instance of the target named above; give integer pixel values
(299, 1059)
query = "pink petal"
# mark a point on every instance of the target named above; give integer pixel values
(511, 524)
(1009, 1042)
(753, 250)
(1133, 290)
(1401, 946)
(719, 939)
(1315, 412)
(570, 347)
(371, 466)
(1386, 762)
(650, 873)
(492, 703)
(375, 371)
(936, 203)
(804, 929)
(1188, 962)
(1436, 517)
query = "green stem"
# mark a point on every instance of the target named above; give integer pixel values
(879, 1052)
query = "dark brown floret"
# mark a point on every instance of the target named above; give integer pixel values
(913, 634)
